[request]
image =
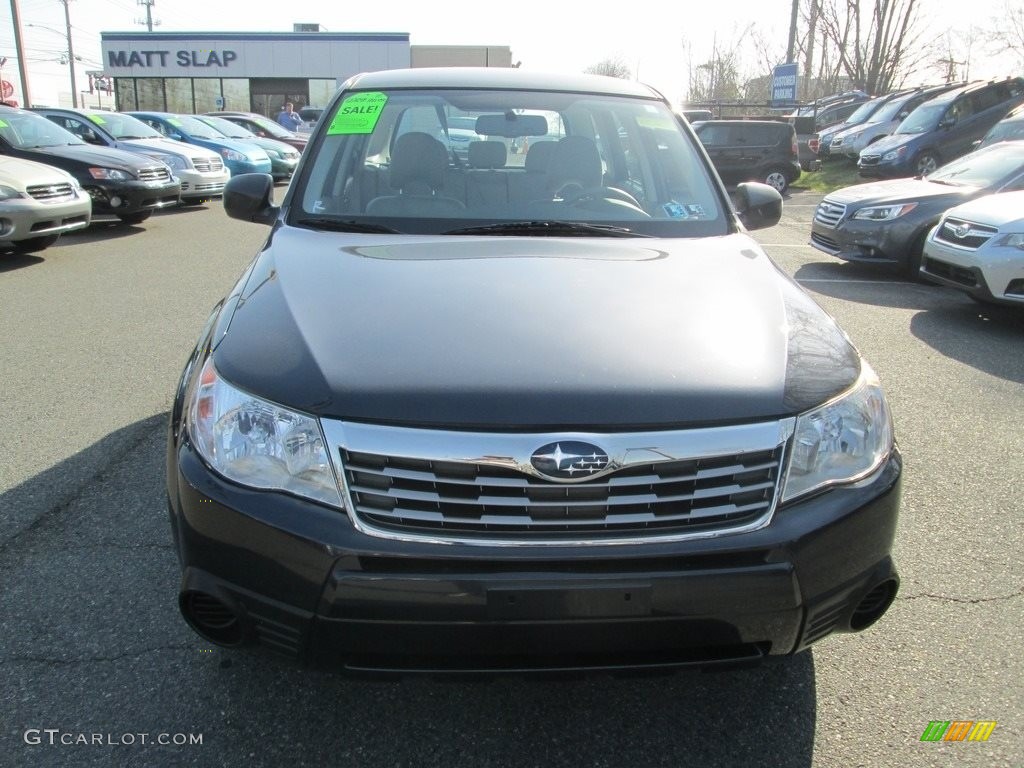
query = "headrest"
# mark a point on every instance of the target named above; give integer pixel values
(538, 156)
(487, 154)
(418, 158)
(575, 159)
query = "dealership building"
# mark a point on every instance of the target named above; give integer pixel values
(195, 72)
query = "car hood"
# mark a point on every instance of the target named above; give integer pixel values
(247, 148)
(890, 142)
(169, 146)
(106, 157)
(20, 174)
(994, 210)
(507, 333)
(898, 191)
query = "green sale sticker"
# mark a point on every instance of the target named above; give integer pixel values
(358, 113)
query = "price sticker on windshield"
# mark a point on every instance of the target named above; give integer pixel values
(175, 122)
(358, 113)
(96, 119)
(3, 124)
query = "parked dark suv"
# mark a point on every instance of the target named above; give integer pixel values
(942, 129)
(752, 150)
(127, 185)
(545, 415)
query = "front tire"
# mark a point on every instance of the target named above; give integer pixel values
(32, 244)
(135, 218)
(916, 258)
(926, 163)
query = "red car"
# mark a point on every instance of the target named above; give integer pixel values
(263, 127)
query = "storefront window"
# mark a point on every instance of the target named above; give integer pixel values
(207, 90)
(179, 95)
(236, 94)
(320, 92)
(150, 91)
(125, 88)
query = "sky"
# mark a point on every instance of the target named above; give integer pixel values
(655, 38)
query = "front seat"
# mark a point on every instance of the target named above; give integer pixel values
(418, 165)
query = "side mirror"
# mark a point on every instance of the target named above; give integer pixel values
(174, 135)
(947, 122)
(757, 205)
(248, 197)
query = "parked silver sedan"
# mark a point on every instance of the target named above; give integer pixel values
(978, 247)
(38, 203)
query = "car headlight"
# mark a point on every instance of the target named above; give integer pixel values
(174, 162)
(230, 154)
(1013, 240)
(112, 174)
(896, 154)
(842, 441)
(884, 212)
(10, 193)
(257, 443)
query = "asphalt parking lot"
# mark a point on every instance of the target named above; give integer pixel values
(96, 330)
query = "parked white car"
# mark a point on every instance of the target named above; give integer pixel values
(978, 247)
(38, 203)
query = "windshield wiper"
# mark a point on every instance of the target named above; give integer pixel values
(552, 228)
(338, 225)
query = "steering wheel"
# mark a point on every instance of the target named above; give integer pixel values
(574, 194)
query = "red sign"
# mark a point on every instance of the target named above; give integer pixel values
(6, 89)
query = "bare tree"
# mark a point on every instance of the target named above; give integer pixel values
(611, 67)
(1007, 35)
(877, 42)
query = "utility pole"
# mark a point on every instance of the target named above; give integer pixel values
(19, 47)
(71, 54)
(149, 14)
(791, 46)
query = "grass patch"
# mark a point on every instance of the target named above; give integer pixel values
(834, 174)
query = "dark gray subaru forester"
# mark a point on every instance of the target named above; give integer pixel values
(540, 406)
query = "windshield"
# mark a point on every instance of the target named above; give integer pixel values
(25, 130)
(123, 126)
(194, 127)
(890, 110)
(863, 112)
(228, 128)
(388, 159)
(272, 128)
(923, 119)
(989, 167)
(1007, 130)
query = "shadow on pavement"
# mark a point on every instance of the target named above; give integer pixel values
(865, 284)
(9, 260)
(94, 643)
(955, 330)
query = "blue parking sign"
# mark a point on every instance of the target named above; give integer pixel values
(784, 78)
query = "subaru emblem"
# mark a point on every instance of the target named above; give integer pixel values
(569, 460)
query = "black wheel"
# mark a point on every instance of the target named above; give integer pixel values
(776, 178)
(135, 218)
(916, 258)
(925, 163)
(33, 244)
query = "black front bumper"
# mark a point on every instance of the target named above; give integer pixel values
(869, 242)
(131, 196)
(300, 580)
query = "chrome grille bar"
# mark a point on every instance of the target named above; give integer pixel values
(482, 488)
